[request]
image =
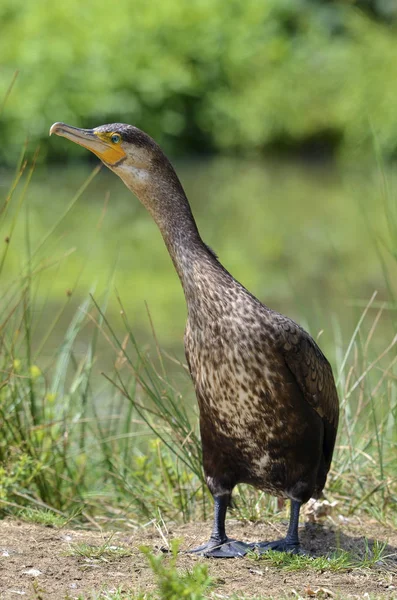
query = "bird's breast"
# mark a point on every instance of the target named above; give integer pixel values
(237, 376)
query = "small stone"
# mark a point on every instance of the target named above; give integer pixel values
(32, 572)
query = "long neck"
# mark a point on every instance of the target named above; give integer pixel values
(201, 274)
(172, 213)
(163, 195)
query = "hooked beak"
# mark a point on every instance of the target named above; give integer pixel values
(109, 153)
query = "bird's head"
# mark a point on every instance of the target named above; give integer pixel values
(126, 150)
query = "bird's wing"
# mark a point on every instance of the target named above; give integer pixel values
(311, 370)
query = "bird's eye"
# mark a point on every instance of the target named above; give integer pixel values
(115, 137)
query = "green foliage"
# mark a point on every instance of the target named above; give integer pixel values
(46, 517)
(58, 449)
(208, 74)
(105, 552)
(18, 470)
(340, 560)
(174, 584)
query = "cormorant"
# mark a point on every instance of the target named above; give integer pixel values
(267, 398)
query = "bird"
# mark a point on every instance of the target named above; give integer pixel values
(267, 398)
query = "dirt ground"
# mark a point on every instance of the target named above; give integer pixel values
(35, 557)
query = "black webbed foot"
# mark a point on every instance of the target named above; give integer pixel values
(288, 544)
(235, 549)
(226, 549)
(282, 545)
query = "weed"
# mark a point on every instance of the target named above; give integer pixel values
(173, 584)
(105, 552)
(46, 517)
(340, 560)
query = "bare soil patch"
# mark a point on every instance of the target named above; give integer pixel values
(34, 557)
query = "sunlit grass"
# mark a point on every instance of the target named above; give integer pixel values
(46, 517)
(340, 560)
(105, 552)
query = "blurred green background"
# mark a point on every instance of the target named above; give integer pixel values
(203, 75)
(276, 115)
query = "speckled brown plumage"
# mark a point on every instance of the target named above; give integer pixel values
(267, 398)
(266, 393)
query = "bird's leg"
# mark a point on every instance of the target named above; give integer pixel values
(219, 545)
(292, 537)
(291, 541)
(218, 534)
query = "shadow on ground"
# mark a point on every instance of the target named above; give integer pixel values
(318, 540)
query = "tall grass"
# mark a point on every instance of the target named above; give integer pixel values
(127, 450)
(125, 447)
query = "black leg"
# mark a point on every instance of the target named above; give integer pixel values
(292, 536)
(219, 545)
(291, 541)
(220, 508)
